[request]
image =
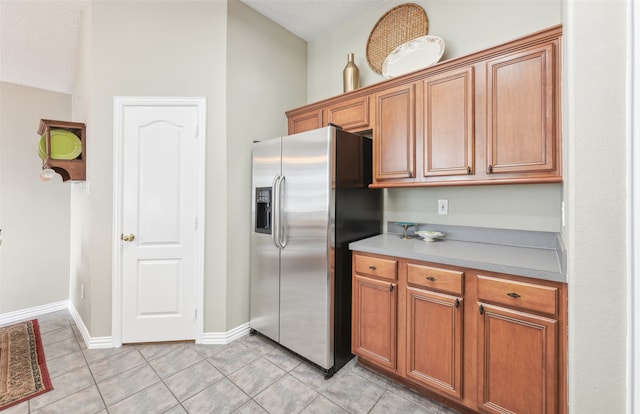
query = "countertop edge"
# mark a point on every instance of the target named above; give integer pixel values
(368, 246)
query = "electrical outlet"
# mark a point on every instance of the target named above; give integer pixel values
(443, 207)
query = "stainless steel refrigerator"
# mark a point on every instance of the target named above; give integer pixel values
(310, 200)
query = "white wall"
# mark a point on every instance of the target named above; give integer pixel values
(34, 215)
(266, 76)
(595, 127)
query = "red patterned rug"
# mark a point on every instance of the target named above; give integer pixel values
(23, 370)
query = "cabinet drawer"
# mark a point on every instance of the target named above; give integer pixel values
(527, 296)
(376, 266)
(434, 278)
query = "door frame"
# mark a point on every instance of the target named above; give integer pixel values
(120, 103)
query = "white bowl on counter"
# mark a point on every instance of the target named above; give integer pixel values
(429, 235)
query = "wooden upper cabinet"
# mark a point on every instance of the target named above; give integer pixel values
(447, 122)
(305, 121)
(394, 134)
(522, 112)
(351, 115)
(491, 117)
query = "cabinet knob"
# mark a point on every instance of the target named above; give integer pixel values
(127, 237)
(390, 287)
(513, 295)
(491, 169)
(372, 267)
(431, 278)
(457, 303)
(481, 308)
(468, 170)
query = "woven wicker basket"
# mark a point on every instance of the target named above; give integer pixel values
(399, 25)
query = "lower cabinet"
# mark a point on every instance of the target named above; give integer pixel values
(518, 362)
(480, 342)
(374, 333)
(375, 307)
(434, 340)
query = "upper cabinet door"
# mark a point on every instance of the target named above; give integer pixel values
(395, 134)
(522, 111)
(306, 121)
(448, 123)
(351, 115)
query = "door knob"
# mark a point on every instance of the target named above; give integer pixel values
(127, 238)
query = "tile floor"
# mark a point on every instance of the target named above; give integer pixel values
(249, 375)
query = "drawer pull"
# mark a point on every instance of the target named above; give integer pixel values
(513, 295)
(372, 267)
(431, 278)
(481, 310)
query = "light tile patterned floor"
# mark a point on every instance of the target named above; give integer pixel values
(250, 375)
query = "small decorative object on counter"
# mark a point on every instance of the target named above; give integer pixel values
(430, 236)
(350, 75)
(405, 225)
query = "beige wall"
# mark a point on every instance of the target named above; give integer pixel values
(465, 25)
(266, 75)
(223, 51)
(595, 137)
(34, 215)
(169, 48)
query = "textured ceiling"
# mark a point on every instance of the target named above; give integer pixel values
(39, 42)
(310, 19)
(39, 38)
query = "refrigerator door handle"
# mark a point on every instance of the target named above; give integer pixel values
(282, 224)
(275, 229)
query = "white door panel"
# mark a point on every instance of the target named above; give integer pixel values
(160, 207)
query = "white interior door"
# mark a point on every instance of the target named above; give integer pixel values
(161, 194)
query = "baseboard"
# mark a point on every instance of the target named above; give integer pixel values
(91, 342)
(31, 313)
(208, 338)
(222, 338)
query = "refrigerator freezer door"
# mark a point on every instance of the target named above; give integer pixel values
(305, 279)
(265, 256)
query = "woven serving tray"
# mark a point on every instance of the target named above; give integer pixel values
(399, 25)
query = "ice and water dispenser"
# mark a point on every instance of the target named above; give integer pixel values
(263, 210)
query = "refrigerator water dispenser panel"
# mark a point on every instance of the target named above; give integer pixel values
(263, 210)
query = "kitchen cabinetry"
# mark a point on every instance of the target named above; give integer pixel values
(349, 113)
(491, 117)
(434, 328)
(447, 124)
(395, 134)
(522, 113)
(479, 341)
(517, 347)
(375, 302)
(305, 121)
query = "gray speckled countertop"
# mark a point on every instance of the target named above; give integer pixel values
(530, 261)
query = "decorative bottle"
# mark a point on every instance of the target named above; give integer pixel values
(350, 75)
